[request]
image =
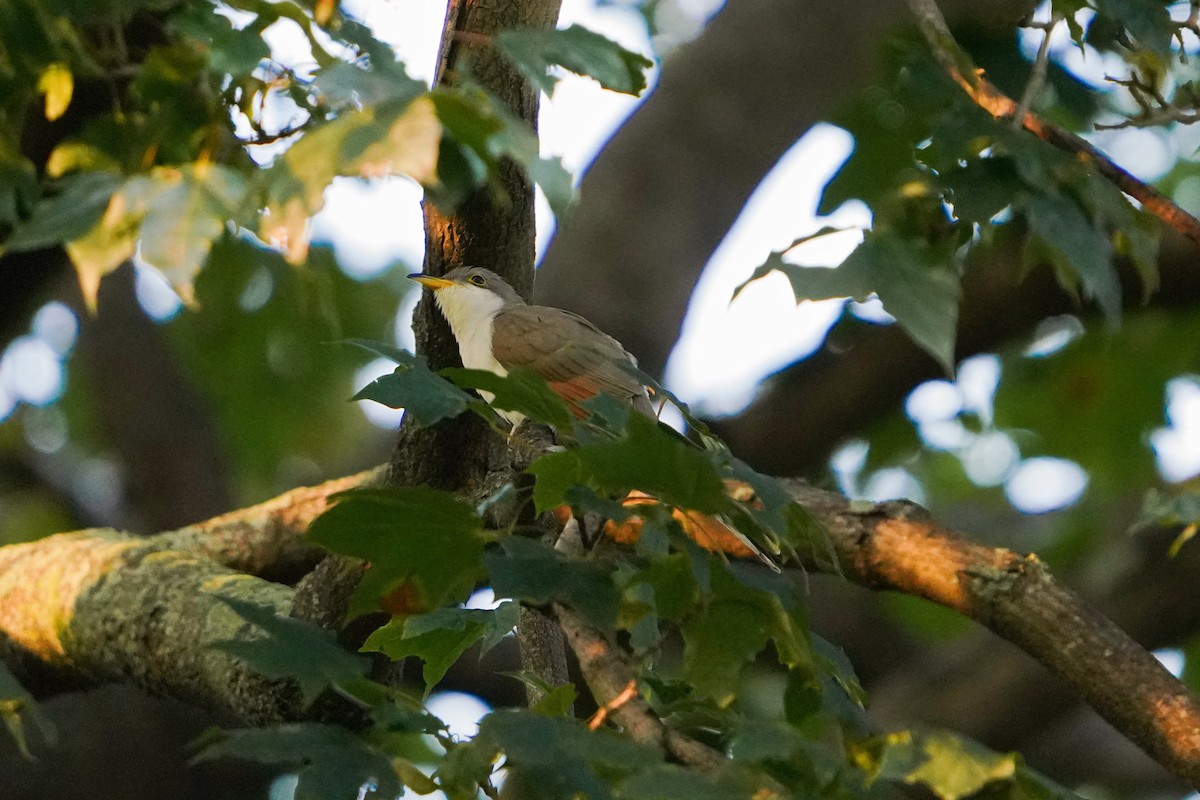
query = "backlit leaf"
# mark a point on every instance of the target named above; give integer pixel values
(950, 767)
(107, 245)
(186, 211)
(57, 84)
(394, 138)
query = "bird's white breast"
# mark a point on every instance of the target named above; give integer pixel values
(471, 314)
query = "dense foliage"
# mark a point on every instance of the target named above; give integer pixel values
(166, 130)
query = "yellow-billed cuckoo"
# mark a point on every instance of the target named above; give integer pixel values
(497, 330)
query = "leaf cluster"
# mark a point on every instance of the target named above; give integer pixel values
(162, 144)
(698, 628)
(944, 180)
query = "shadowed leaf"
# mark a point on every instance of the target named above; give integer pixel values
(579, 50)
(424, 543)
(283, 647)
(440, 637)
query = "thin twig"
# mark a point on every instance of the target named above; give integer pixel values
(952, 58)
(1037, 76)
(627, 694)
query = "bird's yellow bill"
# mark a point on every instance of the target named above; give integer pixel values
(430, 281)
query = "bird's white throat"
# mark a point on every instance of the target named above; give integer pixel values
(470, 311)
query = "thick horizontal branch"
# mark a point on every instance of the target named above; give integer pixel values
(895, 546)
(262, 536)
(100, 605)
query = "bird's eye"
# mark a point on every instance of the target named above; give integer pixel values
(477, 280)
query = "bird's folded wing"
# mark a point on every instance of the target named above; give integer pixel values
(577, 359)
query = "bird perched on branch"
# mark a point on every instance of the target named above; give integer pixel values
(497, 330)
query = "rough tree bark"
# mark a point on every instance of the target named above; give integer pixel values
(492, 229)
(495, 229)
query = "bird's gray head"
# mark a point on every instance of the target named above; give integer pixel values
(469, 296)
(472, 280)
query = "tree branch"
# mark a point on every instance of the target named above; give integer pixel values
(100, 604)
(608, 672)
(958, 66)
(893, 546)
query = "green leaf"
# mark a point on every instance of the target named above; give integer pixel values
(522, 390)
(557, 702)
(1062, 230)
(982, 188)
(71, 213)
(559, 755)
(440, 637)
(1102, 381)
(649, 457)
(18, 186)
(488, 132)
(1148, 21)
(529, 570)
(1160, 508)
(579, 50)
(233, 51)
(413, 386)
(332, 761)
(818, 748)
(1181, 509)
(425, 542)
(918, 285)
(833, 662)
(731, 629)
(345, 84)
(389, 351)
(950, 767)
(675, 589)
(398, 137)
(284, 647)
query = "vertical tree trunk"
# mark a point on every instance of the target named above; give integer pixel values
(493, 230)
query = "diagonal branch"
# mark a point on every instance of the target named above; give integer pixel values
(895, 546)
(608, 674)
(958, 66)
